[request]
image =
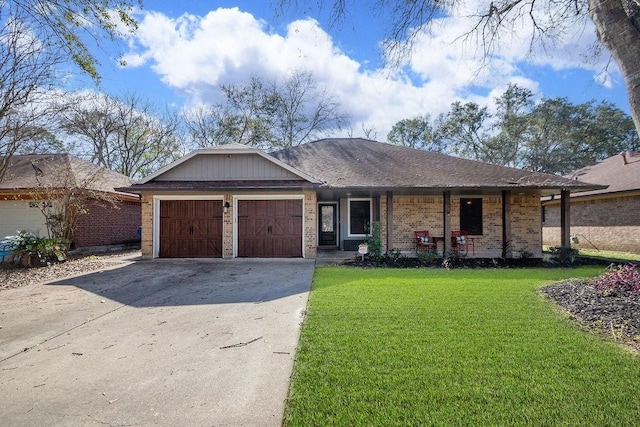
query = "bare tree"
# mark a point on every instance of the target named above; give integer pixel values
(36, 37)
(124, 134)
(303, 110)
(617, 25)
(66, 189)
(71, 29)
(26, 74)
(267, 114)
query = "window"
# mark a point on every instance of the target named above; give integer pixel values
(471, 215)
(359, 217)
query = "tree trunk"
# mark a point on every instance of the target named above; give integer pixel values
(618, 34)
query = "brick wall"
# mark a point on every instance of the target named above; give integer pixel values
(607, 224)
(310, 224)
(146, 243)
(227, 227)
(108, 225)
(412, 213)
(526, 223)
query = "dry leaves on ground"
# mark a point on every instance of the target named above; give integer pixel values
(12, 276)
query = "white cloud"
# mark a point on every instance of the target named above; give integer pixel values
(194, 54)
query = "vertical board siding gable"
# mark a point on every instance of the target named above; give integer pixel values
(223, 167)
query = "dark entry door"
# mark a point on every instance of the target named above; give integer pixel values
(270, 228)
(190, 228)
(328, 224)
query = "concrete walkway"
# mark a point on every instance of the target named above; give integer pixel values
(158, 342)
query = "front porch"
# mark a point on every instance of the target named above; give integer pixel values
(501, 224)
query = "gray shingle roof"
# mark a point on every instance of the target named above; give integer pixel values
(619, 174)
(360, 163)
(22, 170)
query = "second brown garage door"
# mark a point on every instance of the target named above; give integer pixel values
(270, 228)
(190, 228)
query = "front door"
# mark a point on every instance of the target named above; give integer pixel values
(328, 224)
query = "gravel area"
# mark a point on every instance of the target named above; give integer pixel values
(12, 276)
(617, 316)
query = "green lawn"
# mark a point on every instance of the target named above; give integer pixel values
(387, 347)
(610, 255)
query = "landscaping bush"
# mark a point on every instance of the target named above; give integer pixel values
(563, 255)
(31, 250)
(619, 279)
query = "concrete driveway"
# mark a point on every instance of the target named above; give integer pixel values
(161, 342)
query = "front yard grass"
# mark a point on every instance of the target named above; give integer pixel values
(388, 347)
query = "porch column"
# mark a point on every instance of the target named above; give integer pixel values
(389, 220)
(565, 221)
(446, 226)
(506, 223)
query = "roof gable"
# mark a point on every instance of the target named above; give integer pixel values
(234, 162)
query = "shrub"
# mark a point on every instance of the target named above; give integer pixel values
(26, 246)
(619, 279)
(374, 242)
(564, 255)
(395, 255)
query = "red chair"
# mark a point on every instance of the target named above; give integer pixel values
(460, 239)
(424, 241)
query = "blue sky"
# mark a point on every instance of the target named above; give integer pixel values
(185, 49)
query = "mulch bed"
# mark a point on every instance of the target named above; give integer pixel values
(463, 262)
(615, 316)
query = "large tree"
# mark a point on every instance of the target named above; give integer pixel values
(617, 25)
(267, 114)
(36, 39)
(126, 134)
(552, 135)
(417, 132)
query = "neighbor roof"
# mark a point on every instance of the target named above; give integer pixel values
(620, 172)
(26, 172)
(359, 163)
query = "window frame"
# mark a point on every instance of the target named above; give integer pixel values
(469, 224)
(358, 199)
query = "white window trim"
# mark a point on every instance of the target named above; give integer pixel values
(265, 197)
(156, 215)
(370, 200)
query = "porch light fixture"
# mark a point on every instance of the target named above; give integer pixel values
(226, 207)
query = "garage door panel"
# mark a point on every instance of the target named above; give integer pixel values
(269, 228)
(190, 228)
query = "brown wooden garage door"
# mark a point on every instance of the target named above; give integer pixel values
(270, 228)
(190, 228)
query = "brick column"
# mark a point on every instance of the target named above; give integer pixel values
(310, 224)
(227, 227)
(146, 242)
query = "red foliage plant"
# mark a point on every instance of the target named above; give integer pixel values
(619, 279)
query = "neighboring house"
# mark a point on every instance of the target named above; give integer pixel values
(236, 201)
(605, 219)
(32, 180)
